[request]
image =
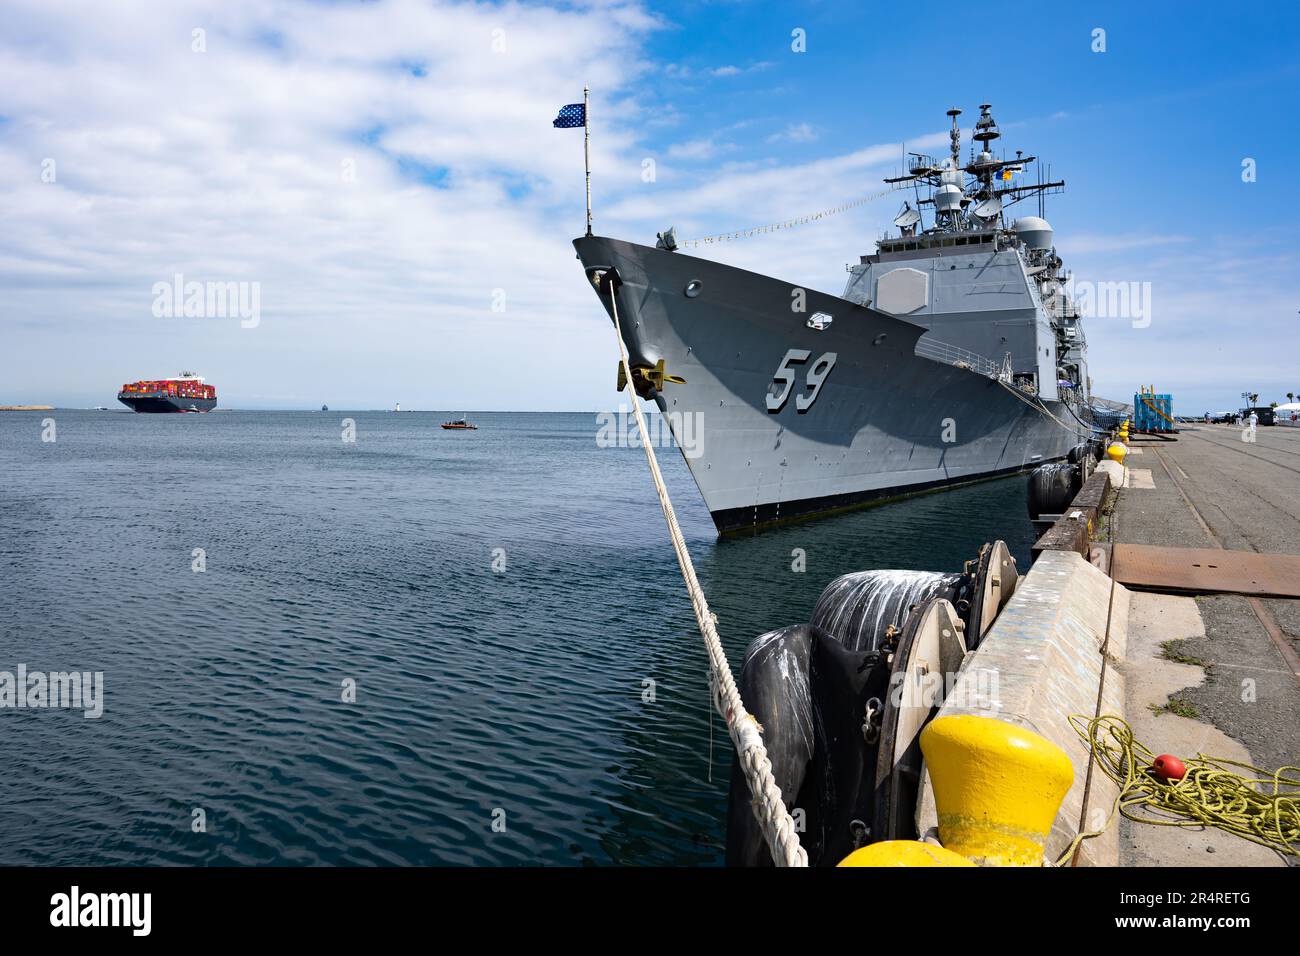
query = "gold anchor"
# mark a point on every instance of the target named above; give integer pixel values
(645, 377)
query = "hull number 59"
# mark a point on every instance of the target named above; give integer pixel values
(784, 380)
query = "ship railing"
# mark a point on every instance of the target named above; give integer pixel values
(930, 348)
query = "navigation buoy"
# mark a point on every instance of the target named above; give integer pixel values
(997, 788)
(1169, 767)
(904, 853)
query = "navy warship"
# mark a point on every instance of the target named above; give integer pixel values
(952, 355)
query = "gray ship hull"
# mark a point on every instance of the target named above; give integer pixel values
(859, 417)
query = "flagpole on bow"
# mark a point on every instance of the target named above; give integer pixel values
(586, 148)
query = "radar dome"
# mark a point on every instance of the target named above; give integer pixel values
(1035, 232)
(947, 198)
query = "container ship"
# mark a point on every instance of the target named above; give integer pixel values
(184, 393)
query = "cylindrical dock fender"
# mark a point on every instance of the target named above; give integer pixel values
(811, 696)
(1051, 488)
(858, 608)
(997, 788)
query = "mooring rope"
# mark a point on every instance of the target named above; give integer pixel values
(746, 734)
(787, 224)
(1039, 406)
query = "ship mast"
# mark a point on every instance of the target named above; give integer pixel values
(975, 205)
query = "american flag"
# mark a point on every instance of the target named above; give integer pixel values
(575, 114)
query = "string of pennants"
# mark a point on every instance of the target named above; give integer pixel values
(789, 223)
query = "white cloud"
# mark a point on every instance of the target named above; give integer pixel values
(733, 70)
(1220, 322)
(794, 133)
(694, 149)
(230, 165)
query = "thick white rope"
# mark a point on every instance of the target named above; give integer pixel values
(746, 734)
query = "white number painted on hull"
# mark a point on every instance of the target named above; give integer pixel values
(785, 378)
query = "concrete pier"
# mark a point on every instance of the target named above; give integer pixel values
(1048, 648)
(1214, 674)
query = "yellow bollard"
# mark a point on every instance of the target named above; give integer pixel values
(997, 788)
(904, 853)
(1117, 452)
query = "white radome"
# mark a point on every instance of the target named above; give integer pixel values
(1035, 232)
(947, 198)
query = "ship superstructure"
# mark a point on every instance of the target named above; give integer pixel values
(987, 273)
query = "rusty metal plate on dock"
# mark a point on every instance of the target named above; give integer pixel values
(1207, 570)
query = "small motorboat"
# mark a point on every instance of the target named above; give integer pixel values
(459, 424)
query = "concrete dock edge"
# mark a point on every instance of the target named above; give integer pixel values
(1040, 663)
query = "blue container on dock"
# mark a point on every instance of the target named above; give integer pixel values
(1153, 413)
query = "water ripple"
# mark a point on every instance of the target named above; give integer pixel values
(519, 698)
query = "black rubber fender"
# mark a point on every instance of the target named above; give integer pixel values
(1051, 488)
(858, 608)
(810, 695)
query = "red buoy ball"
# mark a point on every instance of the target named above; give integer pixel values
(1169, 767)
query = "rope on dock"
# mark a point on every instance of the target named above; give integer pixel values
(746, 734)
(1263, 808)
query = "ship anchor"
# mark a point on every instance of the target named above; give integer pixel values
(648, 379)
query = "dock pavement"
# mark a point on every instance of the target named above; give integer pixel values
(1212, 673)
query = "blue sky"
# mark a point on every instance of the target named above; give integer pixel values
(440, 274)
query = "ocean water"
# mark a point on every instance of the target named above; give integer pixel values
(499, 599)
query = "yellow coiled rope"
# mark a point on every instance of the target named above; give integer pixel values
(1261, 807)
